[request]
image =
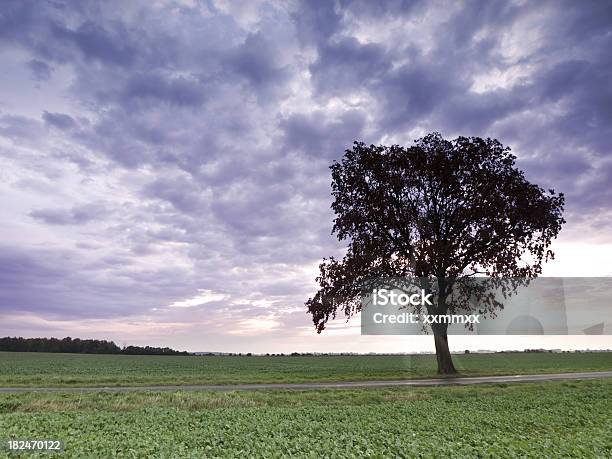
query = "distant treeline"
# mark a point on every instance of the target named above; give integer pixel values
(79, 346)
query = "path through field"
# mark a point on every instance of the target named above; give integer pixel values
(459, 381)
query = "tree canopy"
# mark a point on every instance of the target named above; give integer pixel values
(440, 209)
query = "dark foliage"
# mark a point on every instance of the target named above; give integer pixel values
(79, 346)
(441, 210)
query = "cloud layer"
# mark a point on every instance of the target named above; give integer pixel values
(156, 154)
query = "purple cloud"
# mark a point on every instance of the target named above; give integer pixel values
(77, 215)
(41, 71)
(59, 120)
(150, 153)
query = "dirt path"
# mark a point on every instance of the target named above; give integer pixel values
(461, 381)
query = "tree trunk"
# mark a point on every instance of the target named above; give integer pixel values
(443, 355)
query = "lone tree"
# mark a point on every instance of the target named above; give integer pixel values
(441, 210)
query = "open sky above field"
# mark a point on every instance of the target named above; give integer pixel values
(164, 165)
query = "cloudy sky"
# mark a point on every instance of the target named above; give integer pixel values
(164, 164)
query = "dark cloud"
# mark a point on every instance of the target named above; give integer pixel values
(380, 10)
(15, 17)
(256, 60)
(41, 71)
(108, 44)
(59, 120)
(346, 65)
(475, 113)
(414, 92)
(57, 284)
(154, 88)
(583, 92)
(181, 192)
(317, 20)
(20, 128)
(77, 215)
(318, 135)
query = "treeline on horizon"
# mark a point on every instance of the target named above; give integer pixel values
(79, 346)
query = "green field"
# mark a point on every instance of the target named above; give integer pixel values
(553, 419)
(47, 370)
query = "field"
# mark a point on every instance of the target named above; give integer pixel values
(554, 419)
(61, 370)
(558, 418)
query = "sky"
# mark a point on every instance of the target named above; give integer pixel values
(164, 165)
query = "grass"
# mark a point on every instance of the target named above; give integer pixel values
(62, 370)
(554, 419)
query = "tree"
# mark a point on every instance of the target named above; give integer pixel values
(440, 210)
(82, 346)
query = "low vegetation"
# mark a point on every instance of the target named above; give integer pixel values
(557, 419)
(57, 370)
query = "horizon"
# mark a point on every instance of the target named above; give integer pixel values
(304, 353)
(165, 166)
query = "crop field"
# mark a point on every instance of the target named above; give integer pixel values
(558, 418)
(47, 370)
(571, 418)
